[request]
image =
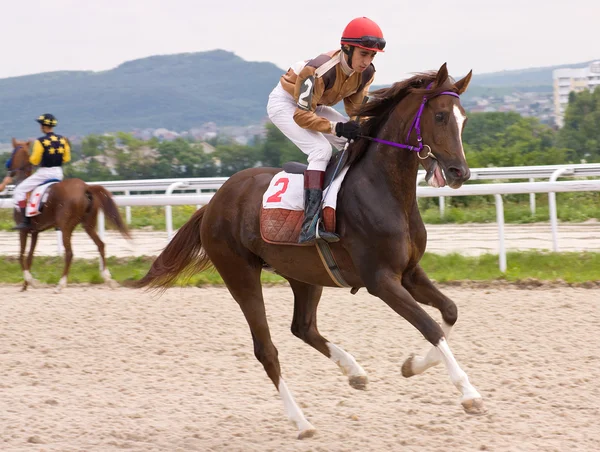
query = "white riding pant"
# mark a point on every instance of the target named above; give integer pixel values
(40, 176)
(316, 145)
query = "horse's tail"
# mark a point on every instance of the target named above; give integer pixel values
(182, 257)
(105, 201)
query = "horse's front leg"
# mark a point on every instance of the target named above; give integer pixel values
(422, 290)
(385, 284)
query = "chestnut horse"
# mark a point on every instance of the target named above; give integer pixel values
(70, 202)
(382, 234)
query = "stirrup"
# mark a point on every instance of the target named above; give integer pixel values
(330, 237)
(317, 232)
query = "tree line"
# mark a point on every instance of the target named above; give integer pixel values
(490, 139)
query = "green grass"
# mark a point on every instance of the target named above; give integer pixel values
(152, 218)
(569, 267)
(571, 207)
(545, 266)
(49, 269)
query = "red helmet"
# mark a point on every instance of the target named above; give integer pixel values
(364, 33)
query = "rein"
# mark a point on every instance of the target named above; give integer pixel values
(416, 125)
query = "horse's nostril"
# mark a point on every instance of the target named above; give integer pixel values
(457, 173)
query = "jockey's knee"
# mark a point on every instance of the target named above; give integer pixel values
(319, 158)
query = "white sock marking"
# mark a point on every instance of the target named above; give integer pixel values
(345, 361)
(106, 274)
(458, 376)
(292, 410)
(432, 355)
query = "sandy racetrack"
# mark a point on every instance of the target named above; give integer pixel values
(100, 370)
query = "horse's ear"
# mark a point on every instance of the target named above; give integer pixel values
(442, 75)
(462, 84)
(14, 143)
(28, 144)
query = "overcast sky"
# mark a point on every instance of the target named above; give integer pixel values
(486, 36)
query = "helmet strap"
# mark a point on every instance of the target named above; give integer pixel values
(348, 50)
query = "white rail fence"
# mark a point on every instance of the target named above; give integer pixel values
(202, 190)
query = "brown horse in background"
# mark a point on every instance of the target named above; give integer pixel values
(382, 235)
(70, 202)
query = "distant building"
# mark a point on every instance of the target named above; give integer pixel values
(577, 80)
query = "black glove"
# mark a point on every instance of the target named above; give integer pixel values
(348, 129)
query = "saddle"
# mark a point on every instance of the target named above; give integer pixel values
(37, 198)
(282, 211)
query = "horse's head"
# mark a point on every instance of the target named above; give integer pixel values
(18, 165)
(442, 122)
(421, 115)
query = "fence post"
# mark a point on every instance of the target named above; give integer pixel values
(59, 242)
(552, 206)
(101, 227)
(169, 209)
(127, 210)
(500, 220)
(532, 199)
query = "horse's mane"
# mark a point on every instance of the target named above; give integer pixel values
(383, 101)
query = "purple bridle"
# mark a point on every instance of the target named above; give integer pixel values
(416, 125)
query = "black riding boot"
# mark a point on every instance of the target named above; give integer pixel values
(313, 195)
(25, 221)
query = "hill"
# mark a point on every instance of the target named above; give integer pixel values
(523, 78)
(179, 92)
(172, 91)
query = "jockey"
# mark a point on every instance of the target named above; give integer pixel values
(301, 107)
(49, 152)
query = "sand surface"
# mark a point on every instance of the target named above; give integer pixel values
(467, 239)
(95, 369)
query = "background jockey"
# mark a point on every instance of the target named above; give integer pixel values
(300, 106)
(49, 152)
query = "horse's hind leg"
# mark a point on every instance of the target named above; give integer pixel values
(242, 278)
(105, 272)
(304, 326)
(422, 289)
(66, 235)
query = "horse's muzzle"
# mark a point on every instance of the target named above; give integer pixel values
(457, 175)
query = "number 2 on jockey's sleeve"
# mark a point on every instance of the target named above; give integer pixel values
(306, 93)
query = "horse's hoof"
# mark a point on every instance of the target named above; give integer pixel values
(308, 433)
(112, 283)
(474, 406)
(407, 367)
(358, 381)
(24, 287)
(58, 289)
(34, 283)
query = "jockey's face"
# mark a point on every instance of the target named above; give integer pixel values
(362, 58)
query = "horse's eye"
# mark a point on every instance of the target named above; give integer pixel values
(439, 117)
